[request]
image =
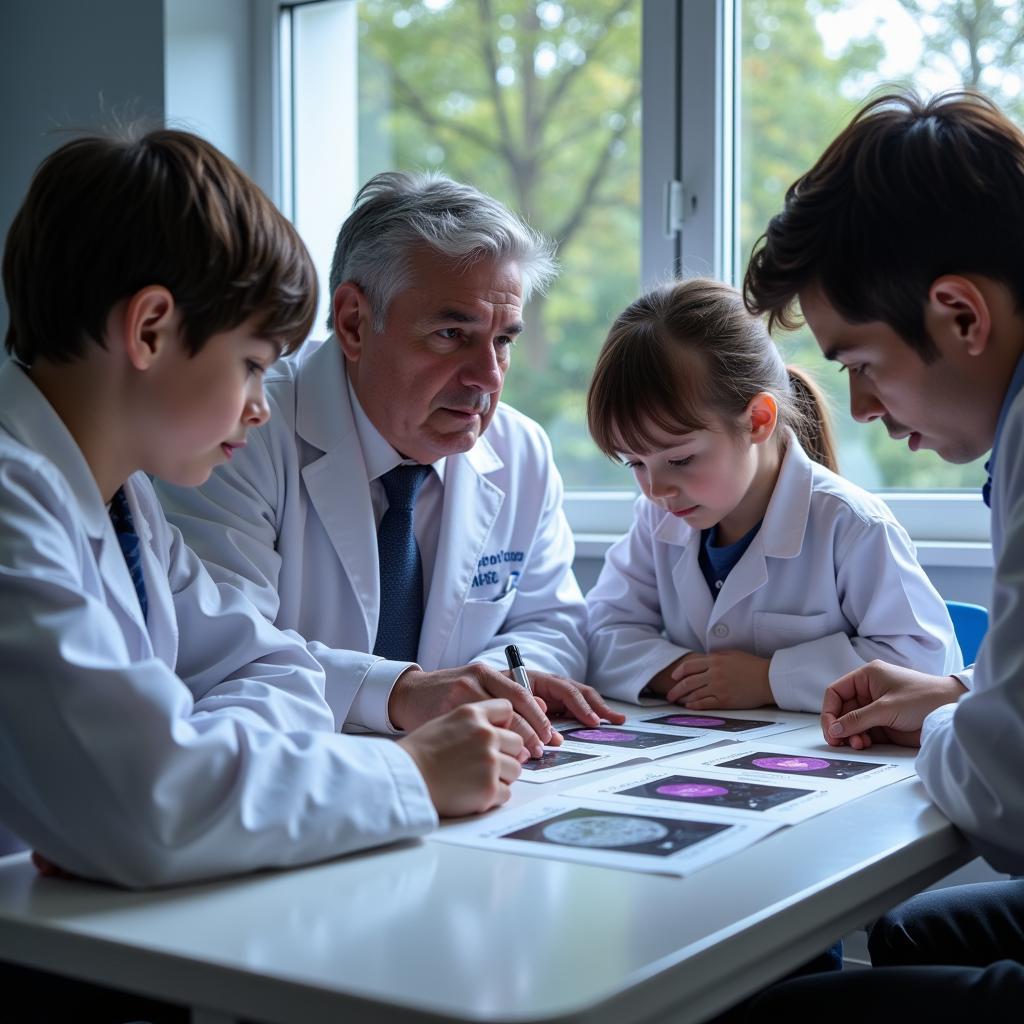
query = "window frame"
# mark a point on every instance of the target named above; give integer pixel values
(689, 57)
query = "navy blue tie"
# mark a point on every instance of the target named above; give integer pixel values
(124, 527)
(401, 573)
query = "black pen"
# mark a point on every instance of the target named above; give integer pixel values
(517, 668)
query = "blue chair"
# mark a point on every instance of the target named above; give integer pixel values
(970, 623)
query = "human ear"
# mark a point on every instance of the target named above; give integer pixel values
(148, 323)
(957, 314)
(352, 315)
(762, 416)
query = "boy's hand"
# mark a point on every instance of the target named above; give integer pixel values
(723, 679)
(564, 697)
(419, 697)
(885, 703)
(468, 757)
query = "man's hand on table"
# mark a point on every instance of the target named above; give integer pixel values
(419, 697)
(883, 703)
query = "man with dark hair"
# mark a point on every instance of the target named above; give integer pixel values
(902, 246)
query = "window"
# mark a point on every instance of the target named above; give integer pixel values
(537, 104)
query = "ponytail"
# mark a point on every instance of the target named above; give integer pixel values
(813, 425)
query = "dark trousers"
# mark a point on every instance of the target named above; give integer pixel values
(953, 955)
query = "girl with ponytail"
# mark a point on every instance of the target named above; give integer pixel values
(753, 573)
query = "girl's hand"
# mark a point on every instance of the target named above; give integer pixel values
(724, 679)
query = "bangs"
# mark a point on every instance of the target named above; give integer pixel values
(290, 304)
(642, 386)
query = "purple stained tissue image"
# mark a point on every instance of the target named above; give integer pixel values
(803, 764)
(729, 793)
(554, 758)
(631, 739)
(720, 723)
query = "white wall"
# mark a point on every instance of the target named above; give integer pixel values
(69, 64)
(219, 78)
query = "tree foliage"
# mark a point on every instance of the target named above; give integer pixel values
(538, 103)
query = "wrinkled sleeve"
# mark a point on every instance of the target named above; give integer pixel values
(232, 524)
(972, 753)
(110, 771)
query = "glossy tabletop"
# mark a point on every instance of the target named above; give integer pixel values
(427, 931)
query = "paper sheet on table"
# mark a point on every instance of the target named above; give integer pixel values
(644, 743)
(572, 759)
(671, 842)
(738, 726)
(850, 773)
(712, 794)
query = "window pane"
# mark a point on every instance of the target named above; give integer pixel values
(537, 104)
(805, 67)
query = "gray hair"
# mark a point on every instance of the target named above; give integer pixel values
(396, 211)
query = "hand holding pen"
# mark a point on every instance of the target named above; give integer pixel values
(517, 668)
(561, 696)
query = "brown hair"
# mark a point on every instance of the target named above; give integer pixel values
(909, 191)
(105, 217)
(682, 353)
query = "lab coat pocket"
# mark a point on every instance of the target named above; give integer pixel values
(776, 630)
(482, 620)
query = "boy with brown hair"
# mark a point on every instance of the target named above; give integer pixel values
(154, 727)
(902, 246)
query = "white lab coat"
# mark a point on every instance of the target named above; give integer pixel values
(829, 582)
(191, 744)
(972, 752)
(290, 521)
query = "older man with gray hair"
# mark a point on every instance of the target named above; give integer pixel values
(392, 511)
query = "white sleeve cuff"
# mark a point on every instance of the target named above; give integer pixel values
(410, 786)
(370, 705)
(940, 718)
(966, 676)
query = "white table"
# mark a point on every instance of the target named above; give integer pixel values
(427, 931)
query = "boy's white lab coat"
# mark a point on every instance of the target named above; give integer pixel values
(191, 744)
(829, 582)
(290, 521)
(972, 752)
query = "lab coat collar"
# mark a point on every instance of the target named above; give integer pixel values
(785, 520)
(337, 482)
(29, 418)
(781, 536)
(323, 416)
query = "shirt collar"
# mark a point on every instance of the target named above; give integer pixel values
(378, 454)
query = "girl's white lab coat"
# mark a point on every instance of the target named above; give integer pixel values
(972, 752)
(829, 582)
(290, 521)
(190, 744)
